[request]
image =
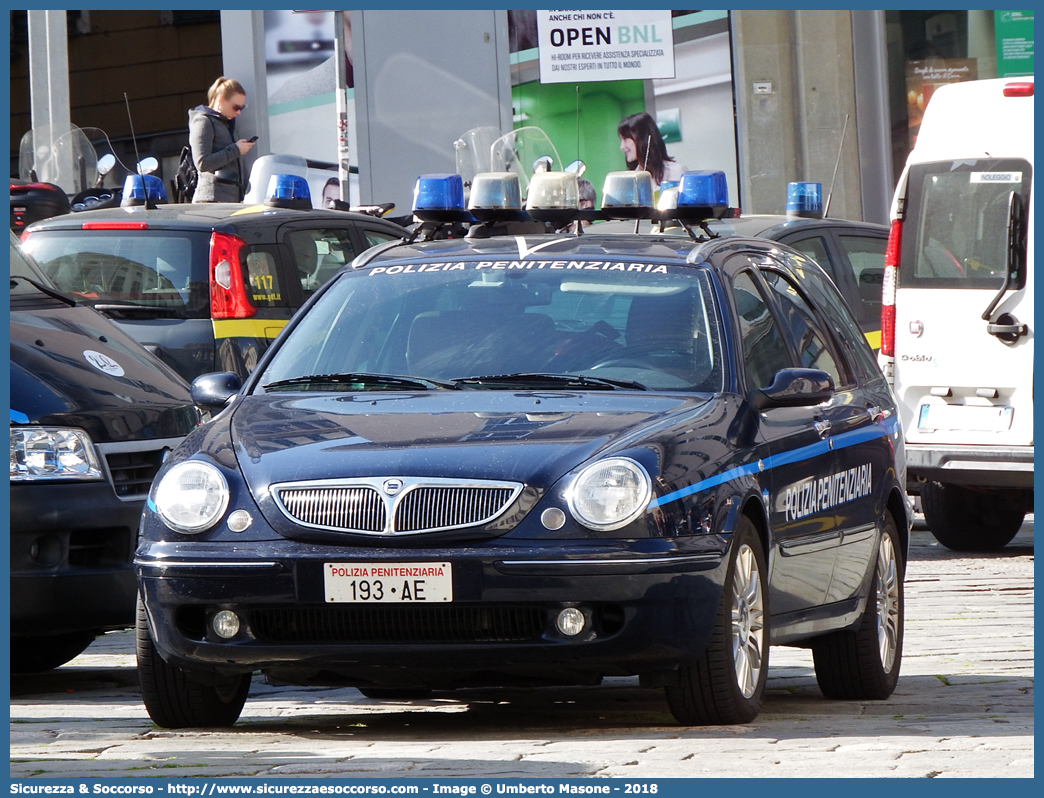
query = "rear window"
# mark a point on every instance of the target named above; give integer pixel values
(956, 220)
(149, 268)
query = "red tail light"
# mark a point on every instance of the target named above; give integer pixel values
(24, 188)
(1021, 89)
(891, 278)
(24, 236)
(228, 295)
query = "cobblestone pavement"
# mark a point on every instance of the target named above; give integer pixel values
(963, 707)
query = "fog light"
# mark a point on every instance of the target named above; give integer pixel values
(552, 518)
(570, 621)
(239, 520)
(225, 623)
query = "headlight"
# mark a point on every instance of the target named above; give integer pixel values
(191, 497)
(39, 453)
(609, 494)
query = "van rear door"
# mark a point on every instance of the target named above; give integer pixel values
(960, 378)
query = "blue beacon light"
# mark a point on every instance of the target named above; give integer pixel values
(440, 198)
(805, 200)
(135, 186)
(288, 191)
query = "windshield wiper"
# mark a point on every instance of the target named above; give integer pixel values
(364, 380)
(49, 291)
(557, 380)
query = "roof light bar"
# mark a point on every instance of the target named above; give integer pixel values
(627, 195)
(553, 197)
(495, 196)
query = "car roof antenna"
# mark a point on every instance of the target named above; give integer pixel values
(826, 205)
(150, 203)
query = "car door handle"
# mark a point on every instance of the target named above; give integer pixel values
(822, 427)
(875, 413)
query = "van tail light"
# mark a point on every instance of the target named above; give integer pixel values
(228, 295)
(891, 279)
(25, 236)
(1020, 89)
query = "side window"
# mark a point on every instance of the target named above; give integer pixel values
(375, 237)
(867, 258)
(319, 254)
(263, 279)
(764, 346)
(814, 247)
(845, 328)
(813, 350)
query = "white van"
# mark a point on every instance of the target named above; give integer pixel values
(957, 311)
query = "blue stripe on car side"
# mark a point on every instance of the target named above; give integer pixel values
(842, 441)
(19, 418)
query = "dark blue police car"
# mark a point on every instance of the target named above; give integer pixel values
(491, 459)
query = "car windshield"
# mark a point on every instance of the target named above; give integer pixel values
(652, 327)
(151, 268)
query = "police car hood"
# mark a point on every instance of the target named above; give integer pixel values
(525, 436)
(72, 367)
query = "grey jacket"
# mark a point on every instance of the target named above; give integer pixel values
(214, 151)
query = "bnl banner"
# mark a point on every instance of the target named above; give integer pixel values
(582, 46)
(1014, 34)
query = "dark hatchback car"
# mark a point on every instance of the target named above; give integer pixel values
(204, 287)
(92, 416)
(527, 460)
(851, 252)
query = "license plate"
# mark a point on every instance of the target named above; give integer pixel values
(968, 418)
(388, 583)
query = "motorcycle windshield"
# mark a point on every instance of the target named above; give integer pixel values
(65, 158)
(520, 150)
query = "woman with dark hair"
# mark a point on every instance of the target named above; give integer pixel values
(643, 148)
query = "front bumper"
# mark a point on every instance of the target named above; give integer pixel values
(71, 558)
(984, 466)
(649, 606)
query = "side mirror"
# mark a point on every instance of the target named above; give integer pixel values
(212, 391)
(105, 163)
(577, 168)
(794, 388)
(146, 166)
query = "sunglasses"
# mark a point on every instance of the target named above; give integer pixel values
(237, 108)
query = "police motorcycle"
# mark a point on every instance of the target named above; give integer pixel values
(61, 172)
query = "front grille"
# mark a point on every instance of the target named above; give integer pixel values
(432, 508)
(394, 505)
(359, 509)
(132, 472)
(373, 624)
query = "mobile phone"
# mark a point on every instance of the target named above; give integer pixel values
(252, 139)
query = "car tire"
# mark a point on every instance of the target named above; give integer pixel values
(727, 684)
(395, 693)
(44, 652)
(963, 519)
(172, 699)
(864, 663)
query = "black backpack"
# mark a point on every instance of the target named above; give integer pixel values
(187, 177)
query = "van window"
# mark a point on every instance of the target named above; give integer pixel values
(955, 228)
(152, 268)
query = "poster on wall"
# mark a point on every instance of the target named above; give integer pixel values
(1013, 31)
(582, 46)
(924, 77)
(302, 110)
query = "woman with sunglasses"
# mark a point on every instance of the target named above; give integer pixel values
(215, 149)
